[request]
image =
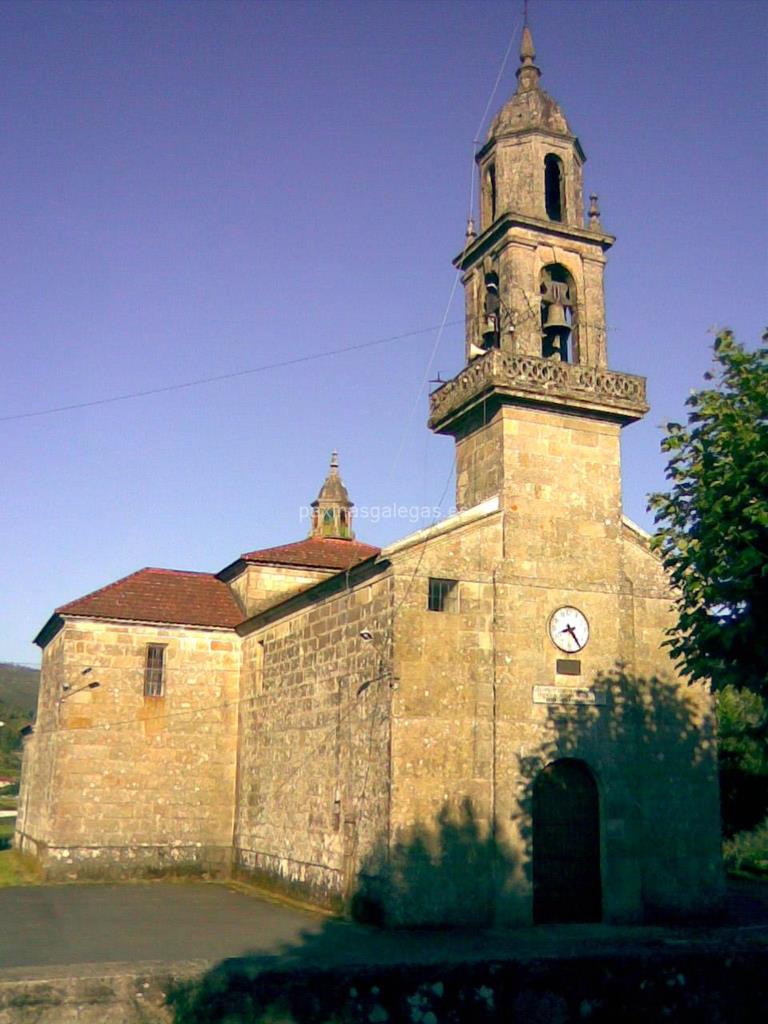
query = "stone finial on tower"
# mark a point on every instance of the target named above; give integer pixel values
(528, 74)
(332, 509)
(594, 213)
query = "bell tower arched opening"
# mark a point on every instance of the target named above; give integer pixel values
(492, 309)
(554, 187)
(490, 195)
(559, 324)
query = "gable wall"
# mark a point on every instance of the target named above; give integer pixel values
(133, 782)
(260, 586)
(469, 739)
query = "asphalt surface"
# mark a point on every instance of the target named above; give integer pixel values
(57, 926)
(72, 924)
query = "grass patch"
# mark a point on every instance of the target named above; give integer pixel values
(18, 869)
(746, 855)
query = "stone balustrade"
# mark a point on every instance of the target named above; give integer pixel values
(535, 377)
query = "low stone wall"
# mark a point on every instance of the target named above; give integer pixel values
(716, 985)
(117, 863)
(121, 996)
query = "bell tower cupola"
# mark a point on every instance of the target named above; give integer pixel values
(535, 332)
(332, 509)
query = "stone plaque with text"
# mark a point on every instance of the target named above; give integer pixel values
(567, 695)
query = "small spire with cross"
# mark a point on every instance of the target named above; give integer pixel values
(528, 74)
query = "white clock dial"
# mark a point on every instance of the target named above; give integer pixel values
(569, 629)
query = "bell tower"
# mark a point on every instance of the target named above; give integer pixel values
(332, 509)
(533, 277)
(535, 336)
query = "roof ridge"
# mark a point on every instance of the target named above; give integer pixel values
(351, 541)
(174, 572)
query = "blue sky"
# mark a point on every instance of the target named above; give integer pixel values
(195, 189)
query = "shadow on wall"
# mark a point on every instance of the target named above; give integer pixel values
(650, 736)
(618, 795)
(440, 874)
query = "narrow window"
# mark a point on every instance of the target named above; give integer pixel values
(554, 195)
(154, 672)
(491, 178)
(443, 595)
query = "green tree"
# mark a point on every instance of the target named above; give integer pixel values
(712, 524)
(743, 757)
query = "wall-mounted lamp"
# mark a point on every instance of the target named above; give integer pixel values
(88, 686)
(67, 686)
(368, 637)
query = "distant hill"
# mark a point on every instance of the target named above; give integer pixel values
(18, 688)
(18, 702)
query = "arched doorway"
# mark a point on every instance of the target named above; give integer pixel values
(566, 844)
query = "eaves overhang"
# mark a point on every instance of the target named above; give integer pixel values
(56, 623)
(53, 626)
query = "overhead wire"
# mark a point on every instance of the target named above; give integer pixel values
(311, 357)
(475, 142)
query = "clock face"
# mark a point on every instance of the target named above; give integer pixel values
(569, 630)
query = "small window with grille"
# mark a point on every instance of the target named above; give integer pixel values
(154, 672)
(443, 595)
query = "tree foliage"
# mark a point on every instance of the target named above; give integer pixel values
(743, 759)
(712, 523)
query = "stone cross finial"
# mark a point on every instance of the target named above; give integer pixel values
(528, 73)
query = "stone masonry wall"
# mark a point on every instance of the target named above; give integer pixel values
(679, 785)
(259, 586)
(134, 783)
(469, 725)
(35, 793)
(442, 730)
(313, 764)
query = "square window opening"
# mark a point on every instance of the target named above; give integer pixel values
(443, 595)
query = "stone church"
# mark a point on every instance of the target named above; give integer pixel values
(476, 724)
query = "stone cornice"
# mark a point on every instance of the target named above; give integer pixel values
(550, 228)
(538, 381)
(522, 133)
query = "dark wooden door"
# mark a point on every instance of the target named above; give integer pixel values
(566, 844)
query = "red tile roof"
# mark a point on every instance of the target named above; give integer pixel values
(162, 595)
(315, 553)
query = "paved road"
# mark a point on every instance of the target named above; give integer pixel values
(72, 924)
(60, 925)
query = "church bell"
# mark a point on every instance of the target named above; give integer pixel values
(556, 320)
